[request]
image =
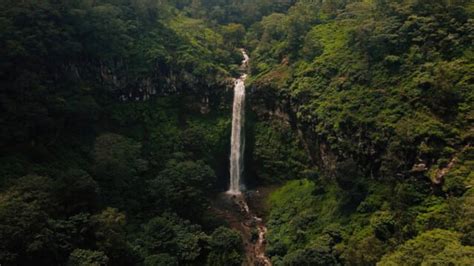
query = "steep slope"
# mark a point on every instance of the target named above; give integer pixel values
(379, 96)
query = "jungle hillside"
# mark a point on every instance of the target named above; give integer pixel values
(236, 132)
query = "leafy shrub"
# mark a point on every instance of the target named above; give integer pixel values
(422, 248)
(161, 260)
(226, 245)
(81, 257)
(310, 256)
(383, 225)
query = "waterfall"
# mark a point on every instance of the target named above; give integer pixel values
(237, 142)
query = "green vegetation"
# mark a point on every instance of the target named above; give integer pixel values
(276, 153)
(431, 248)
(226, 247)
(115, 128)
(382, 95)
(113, 133)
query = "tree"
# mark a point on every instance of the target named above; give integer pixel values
(427, 246)
(312, 46)
(169, 234)
(383, 225)
(310, 256)
(226, 247)
(453, 254)
(77, 191)
(163, 259)
(25, 208)
(110, 236)
(117, 167)
(234, 34)
(182, 187)
(82, 257)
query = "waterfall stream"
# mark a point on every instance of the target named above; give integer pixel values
(246, 220)
(238, 137)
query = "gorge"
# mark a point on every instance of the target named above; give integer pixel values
(236, 132)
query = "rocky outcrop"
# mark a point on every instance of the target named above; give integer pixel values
(438, 177)
(116, 78)
(268, 103)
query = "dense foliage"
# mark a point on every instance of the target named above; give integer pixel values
(381, 93)
(115, 127)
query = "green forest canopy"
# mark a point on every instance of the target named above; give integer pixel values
(115, 127)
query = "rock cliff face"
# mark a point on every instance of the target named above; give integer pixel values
(268, 104)
(209, 92)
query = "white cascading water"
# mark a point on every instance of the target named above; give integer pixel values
(255, 251)
(237, 144)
